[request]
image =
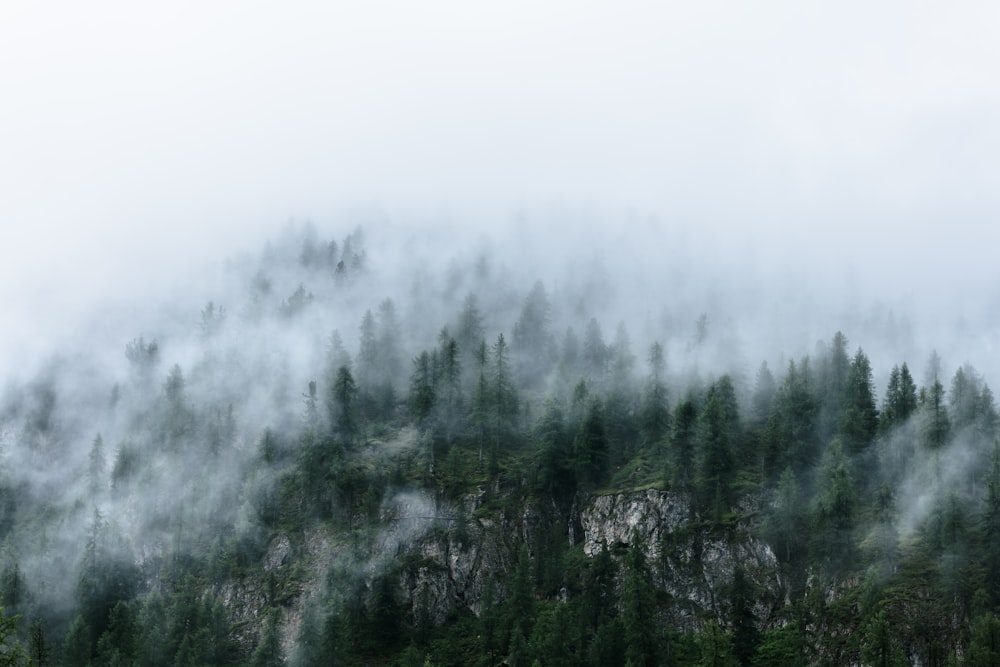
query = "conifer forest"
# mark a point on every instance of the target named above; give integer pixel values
(346, 448)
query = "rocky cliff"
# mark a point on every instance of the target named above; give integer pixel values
(449, 567)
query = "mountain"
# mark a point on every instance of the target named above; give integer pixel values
(358, 450)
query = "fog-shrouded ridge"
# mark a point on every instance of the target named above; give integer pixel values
(162, 426)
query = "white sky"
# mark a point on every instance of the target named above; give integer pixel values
(138, 137)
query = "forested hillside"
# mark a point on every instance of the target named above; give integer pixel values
(335, 453)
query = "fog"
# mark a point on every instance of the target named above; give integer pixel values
(784, 171)
(853, 146)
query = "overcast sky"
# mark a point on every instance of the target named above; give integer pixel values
(138, 137)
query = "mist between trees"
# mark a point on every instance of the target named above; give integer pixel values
(353, 391)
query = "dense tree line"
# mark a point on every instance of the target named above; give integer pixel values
(883, 511)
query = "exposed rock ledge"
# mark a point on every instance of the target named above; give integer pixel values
(694, 562)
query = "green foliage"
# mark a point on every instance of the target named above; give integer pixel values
(591, 447)
(885, 525)
(780, 647)
(11, 651)
(639, 616)
(984, 643)
(715, 465)
(716, 647)
(834, 513)
(880, 647)
(78, 647)
(268, 652)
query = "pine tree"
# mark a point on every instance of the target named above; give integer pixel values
(450, 386)
(591, 447)
(935, 424)
(517, 613)
(900, 399)
(12, 653)
(595, 354)
(532, 340)
(859, 418)
(796, 409)
(762, 400)
(639, 609)
(268, 653)
(741, 617)
(984, 643)
(785, 524)
(716, 647)
(682, 444)
(834, 510)
(655, 412)
(480, 415)
(880, 647)
(990, 527)
(423, 396)
(555, 457)
(503, 397)
(834, 369)
(718, 429)
(77, 646)
(39, 651)
(344, 394)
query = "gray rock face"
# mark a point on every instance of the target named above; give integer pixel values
(694, 562)
(615, 519)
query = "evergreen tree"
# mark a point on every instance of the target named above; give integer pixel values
(77, 646)
(741, 617)
(153, 643)
(718, 429)
(450, 386)
(552, 640)
(780, 647)
(716, 647)
(517, 612)
(984, 644)
(620, 404)
(785, 524)
(880, 647)
(367, 370)
(859, 418)
(423, 390)
(344, 404)
(268, 653)
(591, 447)
(595, 354)
(762, 400)
(480, 415)
(12, 653)
(503, 396)
(532, 340)
(900, 399)
(639, 609)
(385, 611)
(990, 528)
(39, 651)
(834, 510)
(555, 459)
(118, 643)
(935, 424)
(682, 444)
(796, 411)
(834, 369)
(470, 330)
(655, 412)
(570, 358)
